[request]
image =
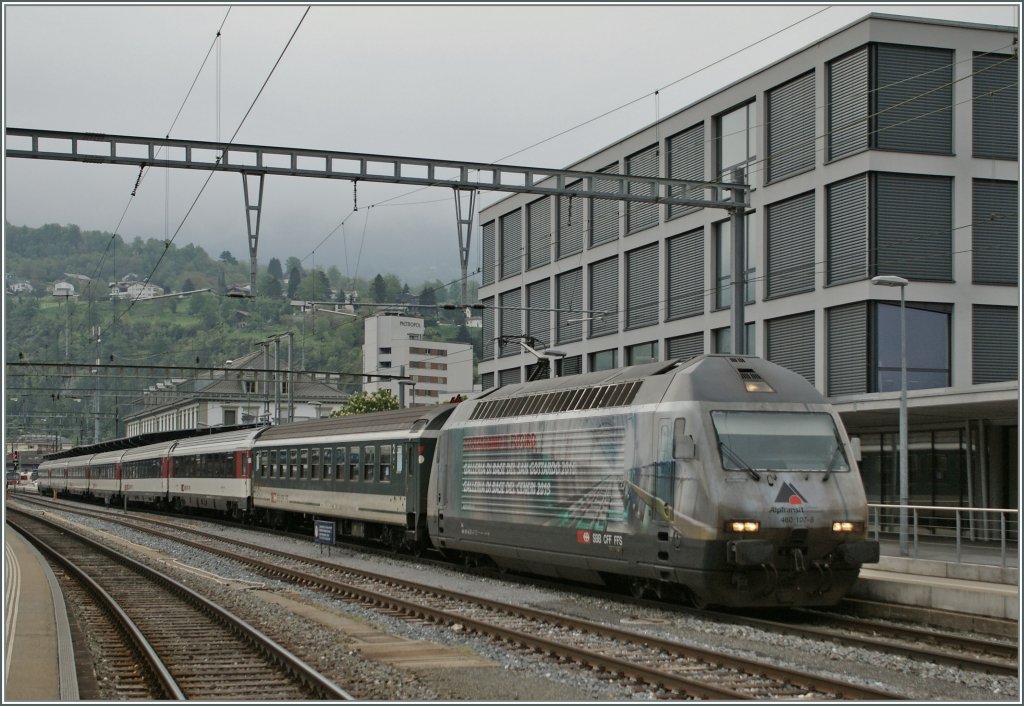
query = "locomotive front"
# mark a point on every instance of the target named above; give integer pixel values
(775, 505)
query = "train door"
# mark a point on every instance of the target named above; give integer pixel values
(664, 470)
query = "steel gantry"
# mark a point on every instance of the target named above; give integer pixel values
(258, 161)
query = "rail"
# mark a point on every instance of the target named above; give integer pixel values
(986, 533)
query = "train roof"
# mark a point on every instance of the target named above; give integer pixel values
(225, 441)
(734, 378)
(399, 420)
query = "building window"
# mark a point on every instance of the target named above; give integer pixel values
(642, 215)
(604, 223)
(538, 227)
(927, 347)
(642, 306)
(642, 353)
(685, 275)
(487, 253)
(604, 296)
(737, 141)
(570, 365)
(604, 360)
(791, 117)
(572, 222)
(846, 230)
(789, 228)
(994, 225)
(511, 260)
(568, 319)
(723, 264)
(790, 343)
(891, 97)
(685, 347)
(994, 333)
(722, 339)
(230, 417)
(996, 80)
(686, 162)
(538, 318)
(912, 226)
(487, 328)
(511, 318)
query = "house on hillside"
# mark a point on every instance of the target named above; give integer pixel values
(249, 390)
(134, 290)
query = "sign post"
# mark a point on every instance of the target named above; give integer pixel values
(323, 533)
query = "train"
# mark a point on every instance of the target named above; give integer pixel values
(721, 480)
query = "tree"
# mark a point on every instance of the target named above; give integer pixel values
(294, 263)
(427, 296)
(274, 269)
(269, 286)
(294, 280)
(379, 289)
(227, 257)
(364, 402)
(187, 285)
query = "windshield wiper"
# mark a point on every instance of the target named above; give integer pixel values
(743, 464)
(832, 461)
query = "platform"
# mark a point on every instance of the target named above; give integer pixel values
(981, 583)
(39, 661)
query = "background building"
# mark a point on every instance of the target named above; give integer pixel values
(394, 345)
(887, 148)
(243, 394)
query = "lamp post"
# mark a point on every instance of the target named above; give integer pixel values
(894, 281)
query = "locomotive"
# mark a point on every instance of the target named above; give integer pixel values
(725, 479)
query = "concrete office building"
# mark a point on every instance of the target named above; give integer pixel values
(889, 147)
(437, 371)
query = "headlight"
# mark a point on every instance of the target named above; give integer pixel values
(744, 526)
(845, 526)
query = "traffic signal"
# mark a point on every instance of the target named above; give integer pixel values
(14, 458)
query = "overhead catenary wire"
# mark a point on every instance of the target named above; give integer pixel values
(213, 171)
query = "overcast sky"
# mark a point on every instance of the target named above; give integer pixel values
(476, 83)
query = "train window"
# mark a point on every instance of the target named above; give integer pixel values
(400, 453)
(353, 463)
(328, 462)
(314, 463)
(369, 461)
(683, 445)
(782, 441)
(303, 463)
(386, 452)
(293, 462)
(339, 461)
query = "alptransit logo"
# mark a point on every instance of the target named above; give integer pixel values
(788, 495)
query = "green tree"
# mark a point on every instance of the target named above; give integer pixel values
(274, 269)
(294, 280)
(379, 289)
(427, 296)
(364, 402)
(294, 263)
(228, 258)
(269, 286)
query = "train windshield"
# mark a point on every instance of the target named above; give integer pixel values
(778, 441)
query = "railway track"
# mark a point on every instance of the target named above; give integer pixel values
(165, 641)
(664, 668)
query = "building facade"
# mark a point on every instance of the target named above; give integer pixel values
(437, 371)
(889, 147)
(245, 393)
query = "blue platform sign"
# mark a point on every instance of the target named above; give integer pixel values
(323, 532)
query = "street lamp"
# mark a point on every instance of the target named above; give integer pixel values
(894, 281)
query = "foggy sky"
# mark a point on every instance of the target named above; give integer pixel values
(474, 83)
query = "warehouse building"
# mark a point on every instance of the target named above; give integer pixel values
(888, 148)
